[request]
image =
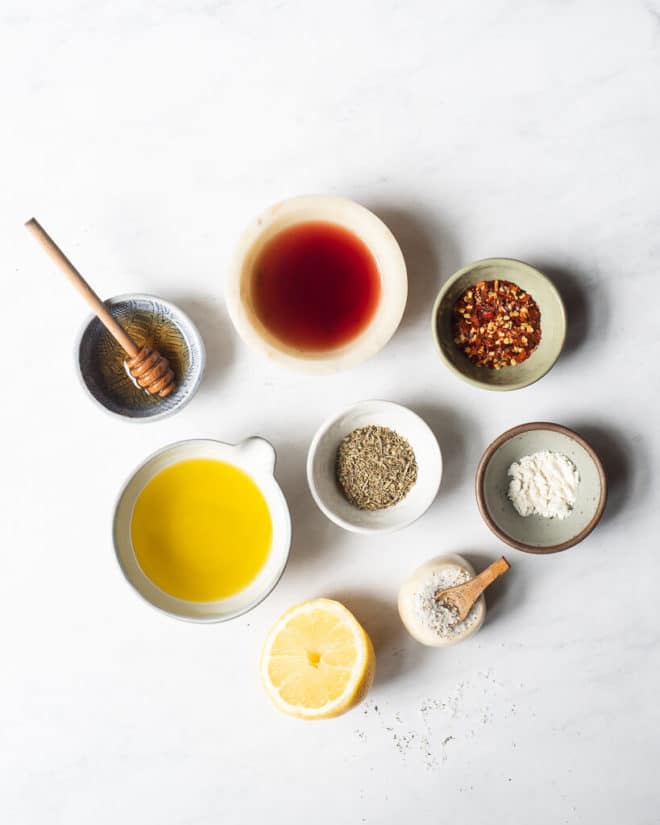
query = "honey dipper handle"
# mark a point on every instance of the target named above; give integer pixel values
(479, 583)
(84, 289)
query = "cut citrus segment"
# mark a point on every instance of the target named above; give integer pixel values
(318, 661)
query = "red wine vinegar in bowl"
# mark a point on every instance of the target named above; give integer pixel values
(318, 283)
(315, 286)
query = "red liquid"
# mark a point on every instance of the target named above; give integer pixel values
(315, 286)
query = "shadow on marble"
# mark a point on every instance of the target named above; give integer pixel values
(431, 255)
(587, 313)
(626, 463)
(504, 594)
(217, 333)
(455, 432)
(312, 534)
(396, 651)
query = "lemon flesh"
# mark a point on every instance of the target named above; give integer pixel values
(318, 661)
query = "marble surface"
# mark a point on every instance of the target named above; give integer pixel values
(145, 136)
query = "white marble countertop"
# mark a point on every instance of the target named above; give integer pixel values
(145, 136)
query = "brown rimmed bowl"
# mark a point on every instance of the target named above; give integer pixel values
(535, 534)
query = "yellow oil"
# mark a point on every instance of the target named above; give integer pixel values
(201, 530)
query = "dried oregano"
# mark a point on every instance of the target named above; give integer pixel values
(375, 467)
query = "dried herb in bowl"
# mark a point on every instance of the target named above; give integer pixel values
(376, 468)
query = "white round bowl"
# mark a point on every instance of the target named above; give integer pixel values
(321, 462)
(362, 223)
(256, 457)
(416, 582)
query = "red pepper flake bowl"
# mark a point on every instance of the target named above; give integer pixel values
(544, 295)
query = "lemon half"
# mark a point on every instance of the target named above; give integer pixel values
(317, 661)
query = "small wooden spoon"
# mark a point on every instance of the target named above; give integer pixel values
(148, 367)
(462, 597)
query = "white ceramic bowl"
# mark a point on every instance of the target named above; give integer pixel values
(418, 581)
(321, 460)
(361, 222)
(256, 457)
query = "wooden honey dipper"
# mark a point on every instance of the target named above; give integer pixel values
(148, 367)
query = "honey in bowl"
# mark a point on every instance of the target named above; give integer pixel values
(201, 530)
(315, 286)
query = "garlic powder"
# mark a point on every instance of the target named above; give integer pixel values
(544, 484)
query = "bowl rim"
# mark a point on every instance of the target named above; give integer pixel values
(475, 382)
(330, 514)
(217, 619)
(143, 296)
(368, 343)
(481, 498)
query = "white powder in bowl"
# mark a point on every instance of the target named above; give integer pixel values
(544, 484)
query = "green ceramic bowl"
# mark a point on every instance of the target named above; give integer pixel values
(535, 534)
(553, 324)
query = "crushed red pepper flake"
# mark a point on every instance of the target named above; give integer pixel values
(496, 324)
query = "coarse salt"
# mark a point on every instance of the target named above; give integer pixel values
(544, 484)
(437, 616)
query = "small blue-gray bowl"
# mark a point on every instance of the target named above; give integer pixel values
(150, 321)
